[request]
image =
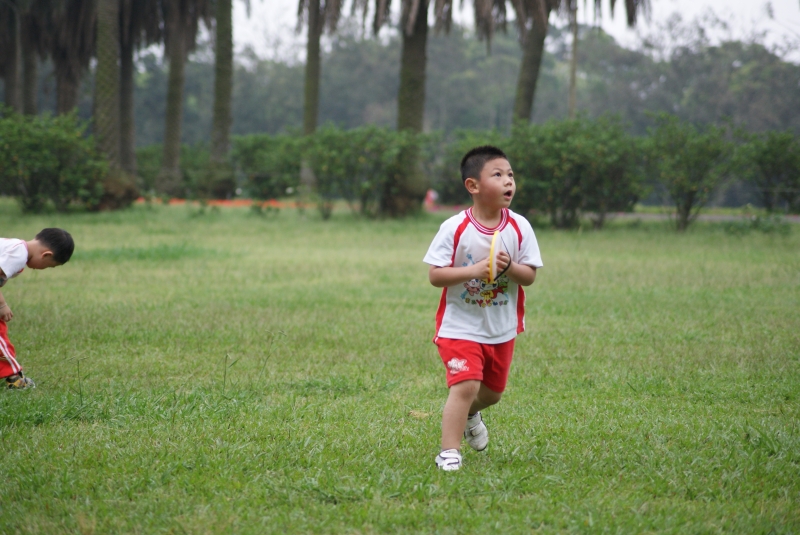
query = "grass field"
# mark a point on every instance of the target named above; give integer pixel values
(229, 373)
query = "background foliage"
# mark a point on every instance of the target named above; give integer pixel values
(48, 161)
(676, 70)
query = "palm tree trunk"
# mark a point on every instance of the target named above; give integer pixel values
(12, 64)
(170, 172)
(411, 94)
(30, 39)
(30, 79)
(573, 63)
(223, 83)
(67, 91)
(106, 92)
(127, 124)
(533, 50)
(404, 190)
(311, 103)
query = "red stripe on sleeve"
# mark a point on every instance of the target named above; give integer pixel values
(457, 237)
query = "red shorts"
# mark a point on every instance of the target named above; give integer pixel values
(466, 360)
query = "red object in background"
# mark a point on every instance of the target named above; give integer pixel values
(430, 200)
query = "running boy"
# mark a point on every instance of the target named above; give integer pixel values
(482, 308)
(50, 248)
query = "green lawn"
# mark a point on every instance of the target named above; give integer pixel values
(229, 373)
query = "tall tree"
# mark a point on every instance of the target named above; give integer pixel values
(316, 15)
(181, 22)
(572, 8)
(489, 15)
(106, 87)
(10, 60)
(406, 190)
(119, 187)
(413, 61)
(70, 25)
(532, 21)
(140, 24)
(35, 42)
(223, 82)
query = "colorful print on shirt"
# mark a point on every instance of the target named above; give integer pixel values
(483, 293)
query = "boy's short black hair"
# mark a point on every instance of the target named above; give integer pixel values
(60, 243)
(472, 163)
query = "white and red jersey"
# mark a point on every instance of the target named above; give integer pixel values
(488, 313)
(13, 257)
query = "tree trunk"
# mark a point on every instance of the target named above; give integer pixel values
(67, 90)
(106, 90)
(170, 179)
(30, 39)
(12, 64)
(30, 79)
(573, 63)
(127, 123)
(533, 50)
(405, 188)
(223, 83)
(311, 103)
(684, 211)
(411, 94)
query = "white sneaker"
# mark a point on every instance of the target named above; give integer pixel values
(448, 460)
(475, 432)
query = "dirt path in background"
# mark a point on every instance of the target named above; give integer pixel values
(701, 217)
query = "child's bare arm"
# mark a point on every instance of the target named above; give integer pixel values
(519, 273)
(5, 310)
(441, 277)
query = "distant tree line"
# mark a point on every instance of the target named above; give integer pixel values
(737, 81)
(140, 99)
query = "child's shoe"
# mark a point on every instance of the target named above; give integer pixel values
(448, 460)
(475, 433)
(19, 382)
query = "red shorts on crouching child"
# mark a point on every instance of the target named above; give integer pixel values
(8, 362)
(466, 360)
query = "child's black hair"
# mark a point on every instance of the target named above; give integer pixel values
(60, 243)
(472, 163)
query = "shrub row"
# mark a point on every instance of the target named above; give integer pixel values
(47, 159)
(565, 169)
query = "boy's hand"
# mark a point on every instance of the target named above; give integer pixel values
(503, 260)
(480, 269)
(5, 313)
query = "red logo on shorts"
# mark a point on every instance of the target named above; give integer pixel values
(458, 365)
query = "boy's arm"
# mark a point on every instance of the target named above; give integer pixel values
(441, 277)
(5, 310)
(519, 273)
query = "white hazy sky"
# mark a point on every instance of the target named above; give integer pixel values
(270, 28)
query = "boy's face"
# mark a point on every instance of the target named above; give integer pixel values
(42, 260)
(496, 186)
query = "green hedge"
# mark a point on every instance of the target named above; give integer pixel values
(566, 170)
(569, 168)
(771, 162)
(689, 162)
(48, 160)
